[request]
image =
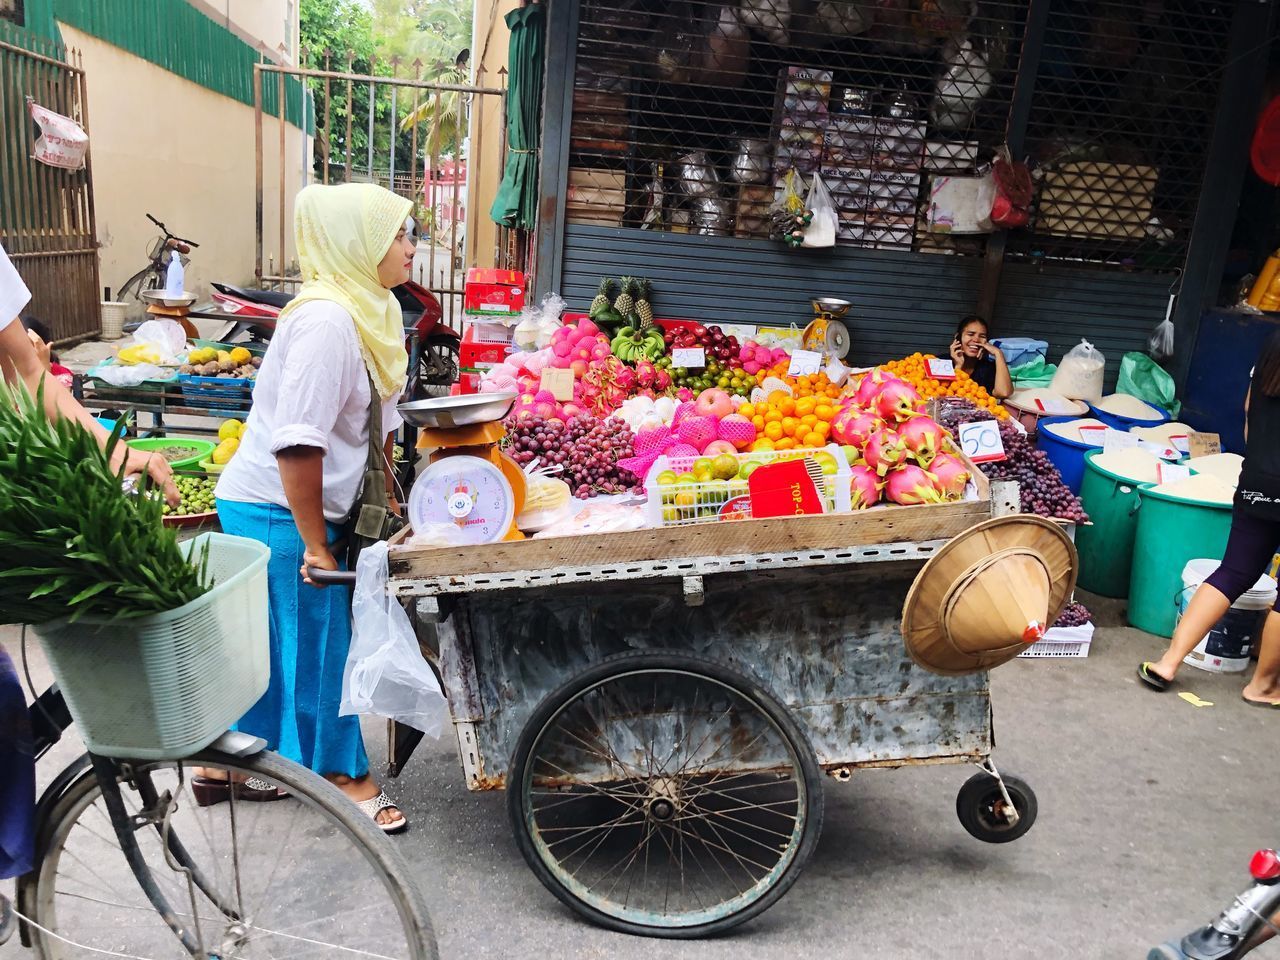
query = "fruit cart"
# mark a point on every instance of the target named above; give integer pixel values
(660, 704)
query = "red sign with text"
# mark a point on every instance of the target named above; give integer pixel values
(783, 490)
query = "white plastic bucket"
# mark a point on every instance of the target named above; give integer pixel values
(113, 314)
(1225, 648)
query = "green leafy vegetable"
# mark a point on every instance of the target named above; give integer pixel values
(72, 544)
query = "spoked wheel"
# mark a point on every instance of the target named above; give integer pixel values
(307, 875)
(984, 812)
(437, 368)
(665, 795)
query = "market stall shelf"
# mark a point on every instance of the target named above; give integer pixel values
(678, 691)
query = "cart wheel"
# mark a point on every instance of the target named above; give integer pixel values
(981, 808)
(664, 795)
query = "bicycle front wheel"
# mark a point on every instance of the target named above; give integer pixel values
(306, 875)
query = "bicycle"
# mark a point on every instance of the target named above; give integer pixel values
(258, 853)
(152, 276)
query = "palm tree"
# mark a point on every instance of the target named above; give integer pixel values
(440, 43)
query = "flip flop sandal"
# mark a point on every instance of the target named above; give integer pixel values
(375, 805)
(210, 790)
(1151, 678)
(1265, 705)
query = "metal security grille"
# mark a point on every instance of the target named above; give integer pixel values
(1119, 129)
(688, 115)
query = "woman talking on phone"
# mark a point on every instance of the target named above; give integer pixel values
(972, 352)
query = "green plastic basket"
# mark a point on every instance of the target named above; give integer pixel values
(200, 449)
(164, 686)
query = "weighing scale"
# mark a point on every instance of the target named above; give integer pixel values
(827, 333)
(468, 481)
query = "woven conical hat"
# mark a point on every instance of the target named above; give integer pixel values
(987, 593)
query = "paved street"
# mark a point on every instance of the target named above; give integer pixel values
(1149, 810)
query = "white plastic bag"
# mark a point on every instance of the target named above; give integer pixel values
(121, 375)
(1160, 343)
(1080, 374)
(821, 232)
(166, 337)
(385, 673)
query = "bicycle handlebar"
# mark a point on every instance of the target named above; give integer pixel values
(172, 241)
(331, 576)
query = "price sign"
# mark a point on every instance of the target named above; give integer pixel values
(941, 369)
(981, 441)
(1094, 436)
(1203, 444)
(559, 382)
(1180, 442)
(804, 362)
(1169, 472)
(837, 372)
(688, 357)
(1118, 440)
(1159, 450)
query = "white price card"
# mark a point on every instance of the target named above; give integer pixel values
(981, 441)
(1160, 450)
(941, 369)
(688, 357)
(804, 362)
(1094, 436)
(836, 372)
(1181, 442)
(559, 382)
(1170, 472)
(1115, 440)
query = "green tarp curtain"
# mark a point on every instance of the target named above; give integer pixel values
(516, 204)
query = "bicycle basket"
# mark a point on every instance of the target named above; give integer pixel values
(164, 686)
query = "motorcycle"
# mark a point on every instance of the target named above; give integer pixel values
(249, 316)
(1251, 920)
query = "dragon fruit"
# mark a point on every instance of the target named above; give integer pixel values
(871, 385)
(854, 426)
(697, 430)
(883, 450)
(898, 401)
(738, 430)
(864, 487)
(645, 373)
(923, 439)
(951, 475)
(661, 380)
(909, 485)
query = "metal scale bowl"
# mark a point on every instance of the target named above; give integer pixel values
(468, 481)
(828, 333)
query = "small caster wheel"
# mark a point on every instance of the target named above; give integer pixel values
(982, 809)
(1166, 951)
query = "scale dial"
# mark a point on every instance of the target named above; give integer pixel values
(467, 492)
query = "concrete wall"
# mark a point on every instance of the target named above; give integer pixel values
(485, 163)
(258, 22)
(187, 159)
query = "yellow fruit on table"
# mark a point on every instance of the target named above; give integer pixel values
(224, 451)
(223, 355)
(230, 430)
(240, 356)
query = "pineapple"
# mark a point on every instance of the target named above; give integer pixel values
(643, 308)
(626, 299)
(601, 302)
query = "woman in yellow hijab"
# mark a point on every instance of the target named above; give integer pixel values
(300, 464)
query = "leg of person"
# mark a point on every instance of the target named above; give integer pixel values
(1265, 685)
(1263, 935)
(332, 745)
(1250, 547)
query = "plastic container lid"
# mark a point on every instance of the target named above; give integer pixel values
(1198, 571)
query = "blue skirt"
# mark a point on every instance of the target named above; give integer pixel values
(310, 637)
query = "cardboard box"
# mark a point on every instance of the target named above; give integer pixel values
(477, 353)
(490, 292)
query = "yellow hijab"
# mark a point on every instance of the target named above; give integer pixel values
(342, 233)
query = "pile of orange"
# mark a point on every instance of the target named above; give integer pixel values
(913, 370)
(809, 385)
(784, 422)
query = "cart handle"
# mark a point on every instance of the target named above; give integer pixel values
(327, 577)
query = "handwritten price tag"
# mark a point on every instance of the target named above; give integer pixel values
(981, 441)
(1115, 440)
(1169, 472)
(688, 357)
(1203, 444)
(804, 363)
(941, 369)
(559, 382)
(1094, 436)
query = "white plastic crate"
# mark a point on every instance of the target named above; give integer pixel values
(491, 332)
(688, 503)
(162, 687)
(1061, 643)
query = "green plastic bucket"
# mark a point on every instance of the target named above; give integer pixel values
(1105, 545)
(1170, 533)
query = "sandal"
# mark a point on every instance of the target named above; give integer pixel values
(1151, 678)
(1264, 704)
(211, 790)
(375, 805)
